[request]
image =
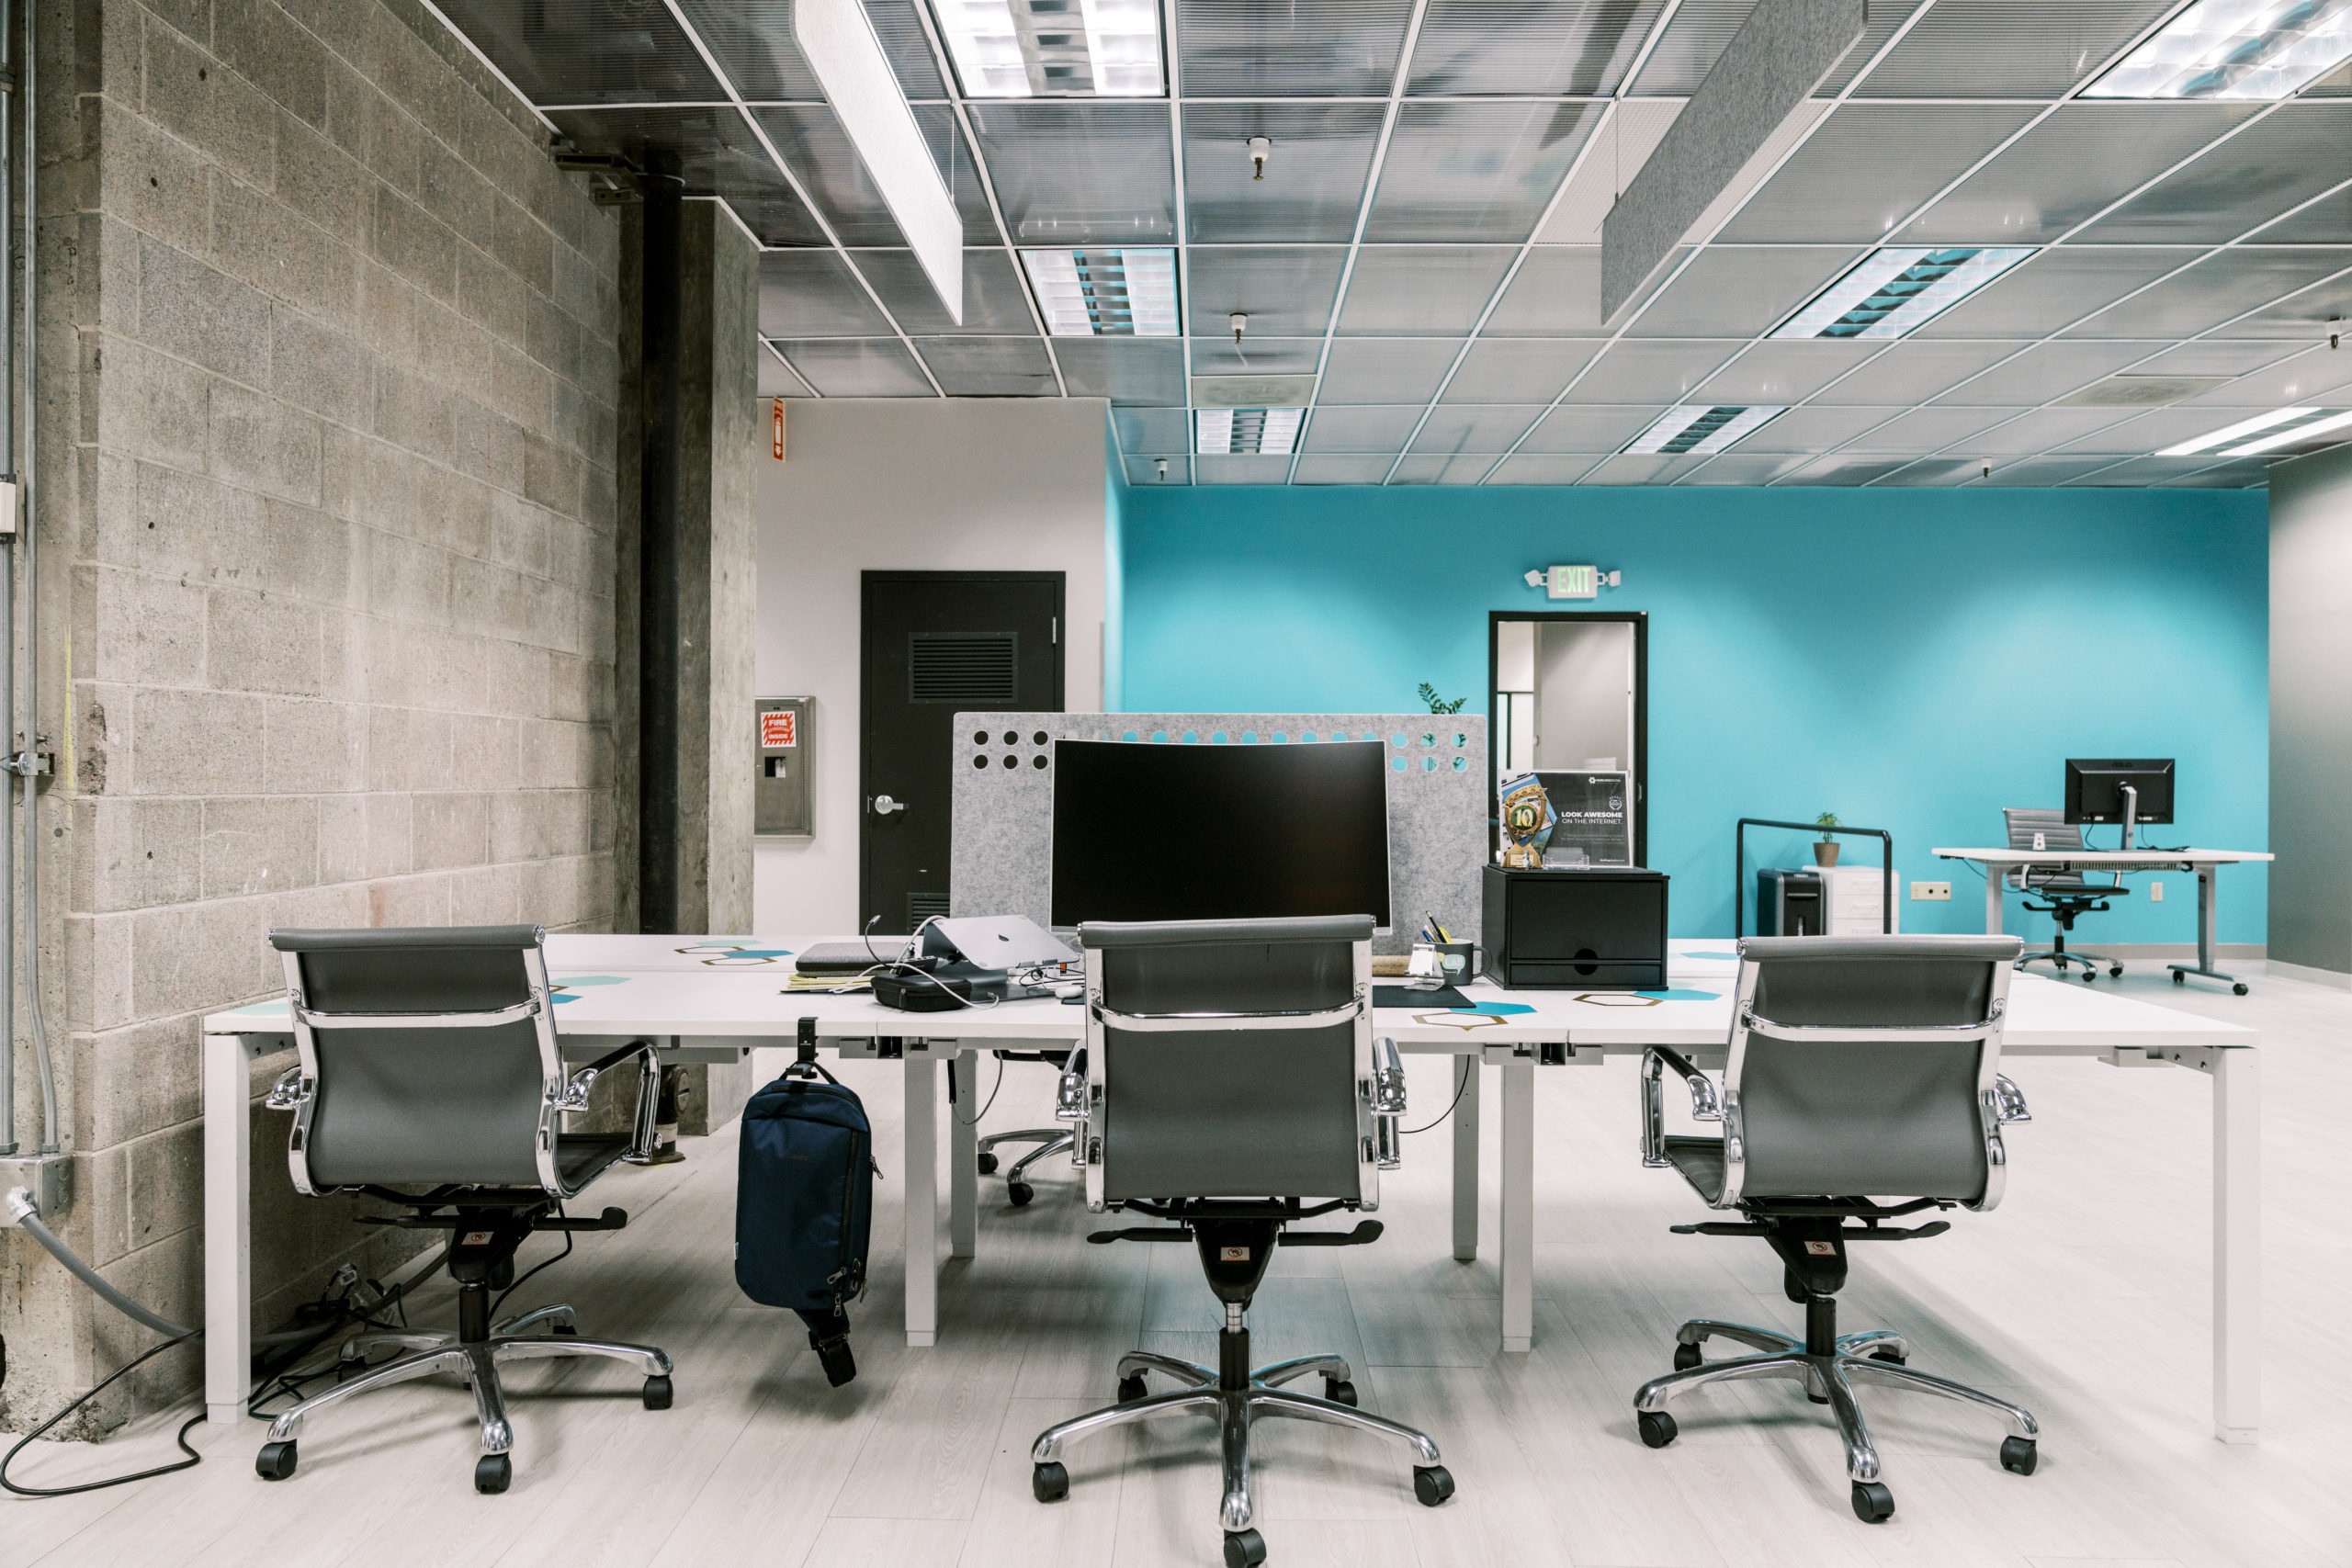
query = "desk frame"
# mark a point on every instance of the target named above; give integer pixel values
(1998, 864)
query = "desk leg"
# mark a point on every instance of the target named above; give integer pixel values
(2237, 1245)
(964, 1158)
(1519, 1204)
(1994, 876)
(1465, 1157)
(228, 1230)
(2205, 929)
(922, 1200)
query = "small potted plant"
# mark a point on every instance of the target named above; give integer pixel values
(1825, 854)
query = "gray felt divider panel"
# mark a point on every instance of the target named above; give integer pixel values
(1002, 860)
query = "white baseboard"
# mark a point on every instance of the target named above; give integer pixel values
(2226, 952)
(2335, 979)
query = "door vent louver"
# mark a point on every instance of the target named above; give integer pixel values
(972, 669)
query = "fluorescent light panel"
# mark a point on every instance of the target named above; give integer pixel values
(2292, 434)
(1097, 292)
(1897, 290)
(1701, 429)
(1251, 431)
(2228, 434)
(1023, 48)
(2260, 50)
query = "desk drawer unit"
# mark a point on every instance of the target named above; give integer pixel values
(1596, 930)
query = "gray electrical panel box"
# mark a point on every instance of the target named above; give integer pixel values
(780, 744)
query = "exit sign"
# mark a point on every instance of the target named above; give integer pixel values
(1572, 582)
(778, 728)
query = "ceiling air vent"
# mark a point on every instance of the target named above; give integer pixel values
(972, 669)
(2140, 391)
(1252, 391)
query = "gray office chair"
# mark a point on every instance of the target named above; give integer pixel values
(1230, 1085)
(2065, 895)
(1859, 1070)
(428, 1060)
(1047, 1140)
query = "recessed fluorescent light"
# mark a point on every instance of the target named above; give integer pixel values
(1023, 49)
(1097, 292)
(1700, 428)
(2287, 437)
(1264, 432)
(2231, 433)
(2236, 48)
(1899, 289)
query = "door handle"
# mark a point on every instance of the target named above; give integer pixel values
(884, 805)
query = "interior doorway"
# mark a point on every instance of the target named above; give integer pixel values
(1569, 693)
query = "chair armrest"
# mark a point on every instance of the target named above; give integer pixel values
(2009, 1099)
(1069, 1096)
(1387, 1103)
(290, 1092)
(573, 1095)
(1704, 1104)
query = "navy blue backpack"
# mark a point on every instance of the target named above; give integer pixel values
(804, 1202)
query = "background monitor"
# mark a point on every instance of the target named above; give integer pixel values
(2095, 788)
(1159, 832)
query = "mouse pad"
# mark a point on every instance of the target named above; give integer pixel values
(1428, 1001)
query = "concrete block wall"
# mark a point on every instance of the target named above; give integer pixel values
(330, 374)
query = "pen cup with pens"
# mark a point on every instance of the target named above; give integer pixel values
(1438, 961)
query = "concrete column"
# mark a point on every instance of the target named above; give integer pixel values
(2311, 716)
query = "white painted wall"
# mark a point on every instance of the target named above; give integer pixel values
(905, 485)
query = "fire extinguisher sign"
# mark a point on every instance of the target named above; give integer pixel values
(779, 728)
(777, 418)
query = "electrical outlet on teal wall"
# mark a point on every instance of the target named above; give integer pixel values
(1911, 660)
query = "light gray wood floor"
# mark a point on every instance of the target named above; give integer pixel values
(2085, 1297)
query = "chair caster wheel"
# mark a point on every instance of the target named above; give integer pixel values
(349, 1367)
(565, 1330)
(1432, 1484)
(1049, 1483)
(2019, 1455)
(1244, 1549)
(2088, 976)
(658, 1394)
(1340, 1390)
(1656, 1428)
(2179, 978)
(988, 1163)
(1893, 1357)
(1687, 1357)
(2115, 972)
(276, 1461)
(2238, 989)
(1873, 1504)
(1020, 1193)
(1131, 1388)
(494, 1474)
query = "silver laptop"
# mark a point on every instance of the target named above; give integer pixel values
(1002, 941)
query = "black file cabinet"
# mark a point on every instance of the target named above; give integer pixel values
(1586, 931)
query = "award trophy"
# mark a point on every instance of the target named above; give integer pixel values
(1527, 819)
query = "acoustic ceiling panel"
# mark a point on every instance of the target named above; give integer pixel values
(1476, 427)
(1254, 356)
(1867, 167)
(1741, 290)
(959, 170)
(1134, 371)
(1816, 429)
(2045, 293)
(2157, 429)
(1360, 429)
(2313, 374)
(2217, 356)
(1927, 430)
(1442, 470)
(1660, 371)
(1914, 370)
(2007, 49)
(811, 293)
(2045, 429)
(1313, 179)
(1574, 428)
(1153, 433)
(1300, 48)
(1386, 370)
(1075, 173)
(854, 367)
(2275, 162)
(1643, 468)
(1543, 470)
(994, 300)
(1694, 40)
(1556, 293)
(718, 155)
(754, 44)
(2306, 316)
(1314, 470)
(1519, 370)
(776, 378)
(2325, 221)
(588, 52)
(1145, 472)
(1250, 469)
(1286, 290)
(2069, 169)
(1926, 472)
(2203, 297)
(1571, 48)
(1843, 472)
(1741, 469)
(988, 366)
(1421, 290)
(1472, 171)
(2042, 473)
(2147, 472)
(1781, 373)
(2243, 474)
(810, 139)
(2048, 371)
(1620, 144)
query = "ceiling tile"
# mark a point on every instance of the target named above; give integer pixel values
(1442, 470)
(1927, 430)
(2045, 429)
(718, 155)
(2043, 293)
(2307, 317)
(2314, 373)
(2007, 49)
(1868, 166)
(752, 40)
(1519, 370)
(1694, 40)
(2217, 356)
(854, 367)
(989, 367)
(1473, 171)
(2038, 473)
(1656, 370)
(591, 52)
(2205, 296)
(1386, 370)
(1286, 290)
(1078, 173)
(994, 299)
(1566, 47)
(2048, 371)
(1358, 429)
(1300, 48)
(1314, 470)
(1641, 469)
(1154, 433)
(2157, 429)
(1124, 369)
(1742, 291)
(2069, 168)
(1255, 355)
(1145, 471)
(1542, 470)
(1570, 428)
(2287, 157)
(777, 379)
(1556, 293)
(1315, 175)
(1816, 429)
(1421, 290)
(1741, 469)
(1842, 472)
(2244, 474)
(1249, 469)
(1782, 372)
(1476, 427)
(2327, 221)
(1915, 369)
(814, 294)
(2143, 472)
(1621, 145)
(1939, 472)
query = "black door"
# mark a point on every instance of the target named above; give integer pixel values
(938, 643)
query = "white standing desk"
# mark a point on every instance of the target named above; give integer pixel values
(1998, 864)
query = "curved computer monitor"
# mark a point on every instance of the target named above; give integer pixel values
(1147, 831)
(2095, 788)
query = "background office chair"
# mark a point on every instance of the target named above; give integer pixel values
(1049, 1140)
(1230, 1081)
(1856, 1064)
(2066, 894)
(429, 1059)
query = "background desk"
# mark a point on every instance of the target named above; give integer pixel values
(1998, 864)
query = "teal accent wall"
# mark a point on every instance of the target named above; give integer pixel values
(1911, 660)
(1114, 534)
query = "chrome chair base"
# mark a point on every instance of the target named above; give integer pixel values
(2060, 957)
(1876, 1356)
(1049, 1141)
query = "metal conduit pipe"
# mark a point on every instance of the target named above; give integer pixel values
(7, 594)
(28, 468)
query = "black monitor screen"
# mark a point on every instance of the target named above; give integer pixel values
(1160, 832)
(2095, 788)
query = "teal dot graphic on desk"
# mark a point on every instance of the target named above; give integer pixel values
(1722, 957)
(570, 981)
(1680, 996)
(1494, 1009)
